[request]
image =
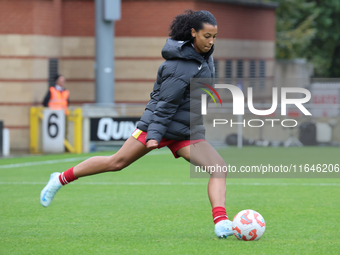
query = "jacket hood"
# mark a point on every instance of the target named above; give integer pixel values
(182, 49)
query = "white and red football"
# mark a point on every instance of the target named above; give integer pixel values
(248, 225)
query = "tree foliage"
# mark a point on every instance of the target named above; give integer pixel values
(310, 29)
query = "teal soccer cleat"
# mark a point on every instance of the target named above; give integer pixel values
(223, 229)
(48, 193)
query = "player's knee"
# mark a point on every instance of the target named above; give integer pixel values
(117, 164)
(219, 174)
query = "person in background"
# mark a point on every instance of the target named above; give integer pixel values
(57, 96)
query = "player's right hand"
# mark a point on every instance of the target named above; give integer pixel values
(151, 144)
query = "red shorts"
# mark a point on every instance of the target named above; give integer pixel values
(173, 145)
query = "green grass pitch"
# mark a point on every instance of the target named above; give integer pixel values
(154, 207)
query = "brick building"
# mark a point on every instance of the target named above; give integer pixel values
(33, 33)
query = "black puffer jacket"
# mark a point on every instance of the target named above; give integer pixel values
(167, 115)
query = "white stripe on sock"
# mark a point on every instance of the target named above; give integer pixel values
(220, 217)
(63, 178)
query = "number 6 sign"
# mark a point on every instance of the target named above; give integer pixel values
(53, 131)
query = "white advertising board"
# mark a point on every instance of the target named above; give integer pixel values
(53, 131)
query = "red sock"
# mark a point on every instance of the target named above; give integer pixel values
(67, 177)
(219, 214)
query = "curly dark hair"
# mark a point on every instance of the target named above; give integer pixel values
(180, 28)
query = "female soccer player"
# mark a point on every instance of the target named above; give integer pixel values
(166, 120)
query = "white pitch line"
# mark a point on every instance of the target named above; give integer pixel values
(46, 162)
(176, 183)
(55, 161)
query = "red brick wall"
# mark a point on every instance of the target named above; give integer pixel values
(45, 18)
(149, 18)
(16, 17)
(29, 17)
(78, 18)
(240, 22)
(139, 18)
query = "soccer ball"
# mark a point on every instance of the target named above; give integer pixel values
(248, 225)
